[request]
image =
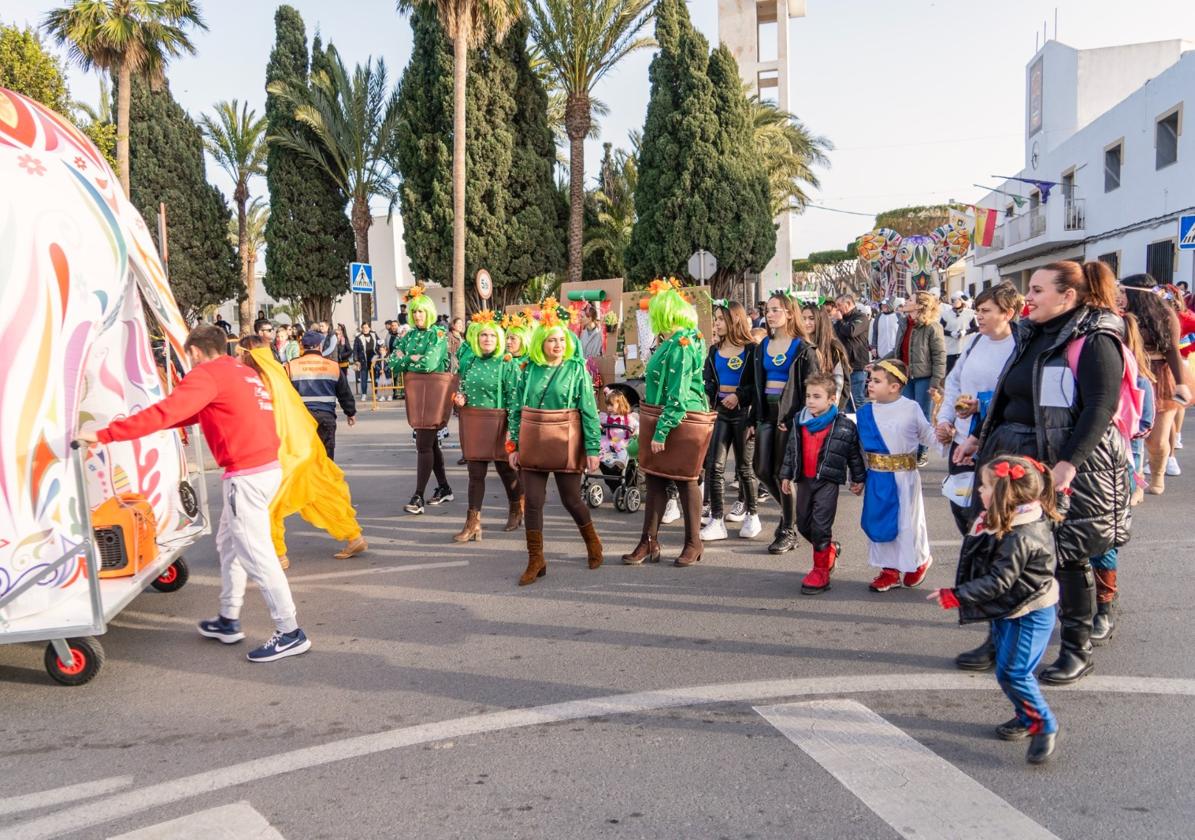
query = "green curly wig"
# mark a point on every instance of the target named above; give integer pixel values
(473, 336)
(535, 351)
(422, 304)
(523, 334)
(669, 312)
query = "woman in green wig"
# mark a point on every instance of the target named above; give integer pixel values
(555, 378)
(424, 350)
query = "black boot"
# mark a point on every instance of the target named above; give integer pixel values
(1076, 600)
(1103, 624)
(1041, 747)
(982, 658)
(785, 541)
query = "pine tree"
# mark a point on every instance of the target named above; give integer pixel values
(513, 222)
(309, 242)
(698, 186)
(166, 165)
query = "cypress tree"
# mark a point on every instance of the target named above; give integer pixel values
(698, 186)
(309, 241)
(166, 165)
(742, 234)
(513, 225)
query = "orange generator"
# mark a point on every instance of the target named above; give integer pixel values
(125, 535)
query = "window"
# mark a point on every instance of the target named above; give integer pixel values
(1068, 185)
(769, 86)
(1009, 210)
(1159, 261)
(1112, 261)
(1166, 140)
(1112, 159)
(767, 33)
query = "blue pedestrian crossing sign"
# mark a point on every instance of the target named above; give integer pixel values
(361, 278)
(1186, 233)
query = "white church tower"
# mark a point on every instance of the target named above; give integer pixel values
(756, 31)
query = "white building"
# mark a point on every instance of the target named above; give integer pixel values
(1107, 126)
(757, 33)
(391, 275)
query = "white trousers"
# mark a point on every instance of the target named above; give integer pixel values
(246, 550)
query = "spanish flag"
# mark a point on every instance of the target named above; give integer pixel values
(985, 225)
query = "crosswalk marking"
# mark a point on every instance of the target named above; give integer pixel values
(918, 793)
(58, 796)
(238, 821)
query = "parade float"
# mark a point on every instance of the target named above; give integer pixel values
(901, 265)
(84, 295)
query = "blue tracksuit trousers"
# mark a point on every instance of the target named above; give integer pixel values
(1020, 644)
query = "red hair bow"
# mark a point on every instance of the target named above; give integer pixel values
(1037, 465)
(1004, 469)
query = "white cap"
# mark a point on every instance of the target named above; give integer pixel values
(957, 295)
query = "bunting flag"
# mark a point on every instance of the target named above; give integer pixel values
(1043, 186)
(1018, 200)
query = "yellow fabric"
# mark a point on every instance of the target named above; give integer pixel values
(312, 485)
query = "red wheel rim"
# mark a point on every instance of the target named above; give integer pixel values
(80, 662)
(169, 575)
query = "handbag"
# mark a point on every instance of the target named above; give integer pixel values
(684, 455)
(429, 399)
(483, 433)
(550, 440)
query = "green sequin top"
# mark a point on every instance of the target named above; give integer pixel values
(675, 380)
(570, 388)
(489, 381)
(428, 345)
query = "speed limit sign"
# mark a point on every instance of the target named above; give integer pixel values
(485, 285)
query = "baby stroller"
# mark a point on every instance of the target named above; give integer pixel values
(625, 483)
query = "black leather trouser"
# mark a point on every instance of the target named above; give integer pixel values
(730, 433)
(770, 443)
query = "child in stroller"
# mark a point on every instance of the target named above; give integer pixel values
(618, 466)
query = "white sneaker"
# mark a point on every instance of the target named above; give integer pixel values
(1172, 467)
(716, 530)
(751, 527)
(1147, 470)
(737, 513)
(706, 516)
(1178, 443)
(671, 512)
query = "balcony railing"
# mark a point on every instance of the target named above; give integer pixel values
(1032, 224)
(1076, 214)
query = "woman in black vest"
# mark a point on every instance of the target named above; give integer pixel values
(1043, 409)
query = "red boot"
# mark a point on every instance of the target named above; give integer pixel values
(818, 579)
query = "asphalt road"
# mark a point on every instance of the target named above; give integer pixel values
(441, 700)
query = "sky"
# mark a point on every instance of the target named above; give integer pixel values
(921, 104)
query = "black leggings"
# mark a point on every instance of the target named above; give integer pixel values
(431, 459)
(535, 489)
(770, 443)
(477, 473)
(730, 432)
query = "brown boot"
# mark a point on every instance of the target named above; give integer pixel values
(536, 567)
(472, 529)
(515, 520)
(356, 545)
(648, 551)
(593, 545)
(1157, 473)
(690, 555)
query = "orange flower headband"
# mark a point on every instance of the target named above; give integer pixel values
(415, 291)
(485, 316)
(658, 286)
(515, 320)
(552, 314)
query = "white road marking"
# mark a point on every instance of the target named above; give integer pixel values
(907, 785)
(380, 570)
(57, 796)
(150, 795)
(238, 821)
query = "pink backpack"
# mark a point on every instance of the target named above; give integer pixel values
(1128, 412)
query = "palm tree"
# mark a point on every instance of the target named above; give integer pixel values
(256, 216)
(123, 38)
(235, 137)
(350, 129)
(615, 200)
(469, 24)
(788, 151)
(582, 41)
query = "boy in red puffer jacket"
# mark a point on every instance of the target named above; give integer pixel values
(821, 453)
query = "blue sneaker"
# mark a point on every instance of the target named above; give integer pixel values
(227, 630)
(280, 646)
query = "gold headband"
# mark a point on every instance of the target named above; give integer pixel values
(894, 370)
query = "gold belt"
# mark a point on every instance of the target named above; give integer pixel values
(891, 463)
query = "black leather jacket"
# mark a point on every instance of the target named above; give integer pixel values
(996, 577)
(841, 453)
(745, 391)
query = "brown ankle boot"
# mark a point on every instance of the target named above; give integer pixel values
(536, 567)
(593, 545)
(515, 520)
(472, 529)
(690, 555)
(648, 550)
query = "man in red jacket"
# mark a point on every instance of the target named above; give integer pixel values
(235, 411)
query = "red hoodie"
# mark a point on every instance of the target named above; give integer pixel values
(232, 407)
